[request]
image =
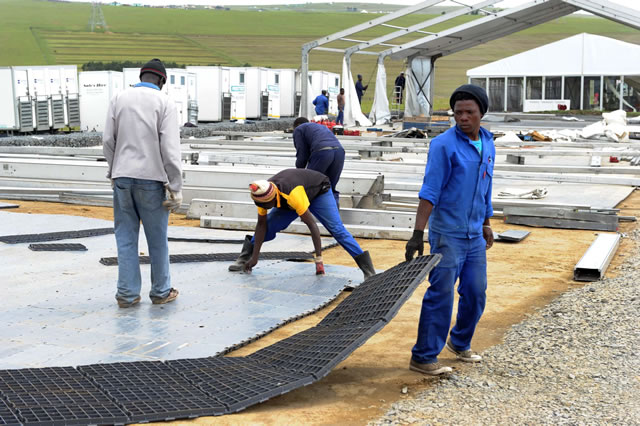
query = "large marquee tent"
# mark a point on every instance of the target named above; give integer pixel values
(585, 71)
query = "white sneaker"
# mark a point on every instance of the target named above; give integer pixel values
(432, 368)
(466, 356)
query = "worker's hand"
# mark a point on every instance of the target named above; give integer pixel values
(113, 184)
(487, 233)
(319, 265)
(173, 201)
(250, 264)
(416, 243)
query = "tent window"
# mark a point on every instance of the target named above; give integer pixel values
(572, 91)
(553, 88)
(496, 94)
(482, 82)
(611, 99)
(631, 93)
(514, 94)
(534, 87)
(591, 93)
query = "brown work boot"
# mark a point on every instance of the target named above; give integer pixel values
(431, 368)
(173, 295)
(466, 356)
(124, 304)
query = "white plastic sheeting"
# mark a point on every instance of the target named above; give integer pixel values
(352, 112)
(582, 54)
(380, 112)
(311, 108)
(418, 86)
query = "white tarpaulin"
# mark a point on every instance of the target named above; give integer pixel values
(380, 112)
(418, 86)
(311, 108)
(582, 54)
(352, 112)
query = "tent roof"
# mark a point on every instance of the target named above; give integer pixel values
(508, 22)
(582, 54)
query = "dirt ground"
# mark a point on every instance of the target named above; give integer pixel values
(522, 278)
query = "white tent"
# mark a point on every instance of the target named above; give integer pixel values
(581, 72)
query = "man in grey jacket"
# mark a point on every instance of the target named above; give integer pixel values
(141, 143)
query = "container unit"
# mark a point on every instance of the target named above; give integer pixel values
(69, 86)
(256, 99)
(273, 90)
(238, 89)
(329, 81)
(288, 93)
(130, 76)
(25, 113)
(96, 90)
(8, 101)
(209, 92)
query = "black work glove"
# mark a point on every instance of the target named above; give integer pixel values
(416, 243)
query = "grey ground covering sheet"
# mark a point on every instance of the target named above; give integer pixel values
(60, 308)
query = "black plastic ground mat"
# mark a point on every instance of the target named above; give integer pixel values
(7, 415)
(147, 391)
(58, 247)
(54, 236)
(218, 257)
(240, 382)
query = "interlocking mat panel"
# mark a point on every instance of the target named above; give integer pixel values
(147, 391)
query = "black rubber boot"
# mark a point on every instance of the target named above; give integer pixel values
(245, 255)
(365, 264)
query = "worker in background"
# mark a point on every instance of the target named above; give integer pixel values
(290, 194)
(322, 103)
(341, 102)
(455, 200)
(318, 149)
(360, 89)
(141, 143)
(399, 87)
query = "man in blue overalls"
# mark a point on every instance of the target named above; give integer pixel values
(456, 201)
(318, 149)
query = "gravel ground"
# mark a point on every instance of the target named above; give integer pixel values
(575, 362)
(86, 139)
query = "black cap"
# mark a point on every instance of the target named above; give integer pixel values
(154, 66)
(476, 92)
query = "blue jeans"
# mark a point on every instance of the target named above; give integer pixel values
(136, 200)
(340, 118)
(461, 258)
(323, 208)
(329, 162)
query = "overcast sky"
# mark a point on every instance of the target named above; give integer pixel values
(634, 4)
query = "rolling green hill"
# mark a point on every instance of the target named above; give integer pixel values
(36, 32)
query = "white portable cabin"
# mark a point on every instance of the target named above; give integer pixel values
(178, 89)
(96, 90)
(273, 90)
(130, 76)
(8, 102)
(288, 93)
(25, 114)
(238, 90)
(254, 80)
(329, 81)
(209, 92)
(53, 94)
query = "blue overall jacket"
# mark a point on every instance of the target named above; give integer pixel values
(458, 182)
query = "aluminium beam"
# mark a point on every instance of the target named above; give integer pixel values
(595, 261)
(200, 176)
(257, 136)
(546, 222)
(566, 153)
(247, 209)
(608, 10)
(307, 47)
(537, 168)
(558, 213)
(416, 27)
(298, 227)
(539, 11)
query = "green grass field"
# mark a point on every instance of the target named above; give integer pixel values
(36, 32)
